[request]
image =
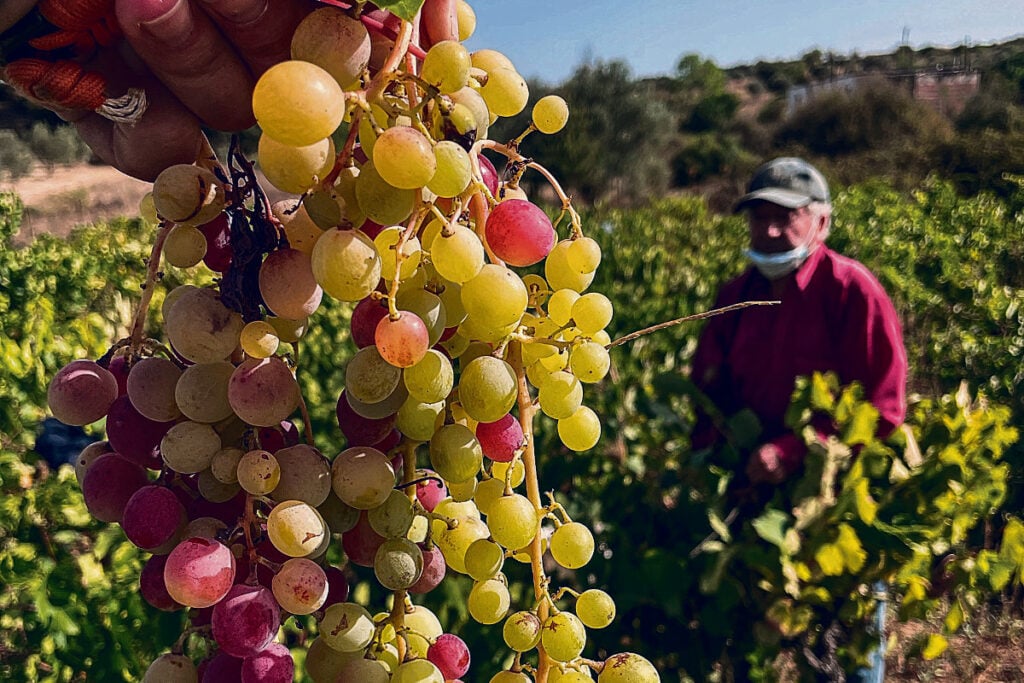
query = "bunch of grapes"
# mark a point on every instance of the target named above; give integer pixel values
(458, 347)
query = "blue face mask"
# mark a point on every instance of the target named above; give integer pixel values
(774, 266)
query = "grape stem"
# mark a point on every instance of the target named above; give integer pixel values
(688, 318)
(407, 234)
(414, 482)
(152, 275)
(248, 522)
(303, 408)
(397, 619)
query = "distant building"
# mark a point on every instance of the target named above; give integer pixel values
(945, 90)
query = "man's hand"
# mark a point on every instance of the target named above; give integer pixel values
(765, 465)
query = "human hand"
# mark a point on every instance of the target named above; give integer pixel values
(765, 465)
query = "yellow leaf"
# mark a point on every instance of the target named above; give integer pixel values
(935, 646)
(954, 618)
(867, 508)
(853, 552)
(830, 559)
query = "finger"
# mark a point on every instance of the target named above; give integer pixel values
(186, 51)
(261, 35)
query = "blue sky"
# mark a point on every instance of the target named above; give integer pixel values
(547, 39)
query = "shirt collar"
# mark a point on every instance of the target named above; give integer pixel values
(807, 269)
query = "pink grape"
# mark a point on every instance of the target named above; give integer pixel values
(81, 392)
(489, 175)
(359, 430)
(519, 232)
(118, 367)
(337, 586)
(287, 284)
(449, 654)
(365, 316)
(246, 620)
(227, 512)
(221, 668)
(218, 244)
(402, 342)
(272, 665)
(434, 570)
(152, 517)
(362, 542)
(134, 436)
(199, 572)
(280, 436)
(263, 391)
(501, 439)
(152, 587)
(109, 484)
(430, 492)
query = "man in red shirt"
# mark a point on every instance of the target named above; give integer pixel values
(833, 316)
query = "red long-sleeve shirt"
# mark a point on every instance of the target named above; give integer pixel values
(834, 316)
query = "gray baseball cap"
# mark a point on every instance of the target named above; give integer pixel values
(787, 181)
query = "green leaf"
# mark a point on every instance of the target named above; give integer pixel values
(406, 9)
(771, 526)
(867, 508)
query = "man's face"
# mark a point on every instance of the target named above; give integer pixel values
(775, 229)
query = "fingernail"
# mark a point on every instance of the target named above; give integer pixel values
(165, 20)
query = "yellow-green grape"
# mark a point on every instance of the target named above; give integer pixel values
(592, 312)
(367, 135)
(570, 675)
(449, 507)
(224, 465)
(471, 99)
(487, 492)
(560, 305)
(523, 554)
(370, 379)
(628, 668)
(455, 453)
(488, 601)
(602, 337)
(446, 66)
(147, 209)
(403, 157)
(418, 530)
(294, 169)
(258, 472)
(398, 564)
(386, 243)
(430, 232)
(456, 345)
(364, 671)
(288, 331)
(322, 662)
(484, 559)
(324, 208)
(340, 516)
(298, 103)
(334, 41)
(572, 545)
(417, 420)
(462, 491)
(581, 430)
(296, 528)
(381, 202)
(458, 124)
(487, 388)
(522, 631)
(187, 194)
(346, 264)
(458, 256)
(561, 395)
(347, 627)
(417, 671)
(513, 521)
(595, 608)
(550, 114)
(185, 246)
(558, 272)
(455, 542)
(510, 677)
(362, 477)
(259, 339)
(422, 624)
(505, 92)
(466, 17)
(188, 447)
(393, 517)
(537, 374)
(427, 306)
(213, 491)
(555, 362)
(543, 328)
(454, 169)
(589, 362)
(583, 254)
(500, 469)
(563, 637)
(431, 379)
(488, 60)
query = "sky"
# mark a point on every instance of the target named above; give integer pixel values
(547, 39)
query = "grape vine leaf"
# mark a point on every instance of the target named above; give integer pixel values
(771, 526)
(405, 9)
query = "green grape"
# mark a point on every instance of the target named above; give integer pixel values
(455, 453)
(296, 528)
(628, 668)
(147, 209)
(386, 243)
(538, 374)
(487, 492)
(428, 307)
(558, 272)
(185, 246)
(563, 637)
(422, 624)
(495, 294)
(570, 675)
(592, 312)
(522, 631)
(347, 627)
(572, 545)
(398, 563)
(324, 208)
(335, 42)
(488, 60)
(431, 379)
(214, 491)
(404, 158)
(458, 256)
(457, 125)
(187, 194)
(500, 469)
(362, 477)
(224, 464)
(171, 668)
(294, 169)
(369, 378)
(346, 265)
(430, 231)
(367, 135)
(393, 517)
(487, 388)
(454, 170)
(560, 306)
(446, 66)
(340, 516)
(298, 103)
(288, 331)
(417, 671)
(381, 202)
(488, 601)
(484, 559)
(449, 507)
(258, 472)
(462, 491)
(602, 337)
(417, 420)
(510, 677)
(595, 608)
(364, 671)
(322, 662)
(543, 328)
(456, 345)
(483, 330)
(505, 92)
(305, 476)
(550, 114)
(513, 521)
(188, 447)
(455, 542)
(584, 255)
(561, 395)
(589, 362)
(581, 430)
(201, 328)
(471, 100)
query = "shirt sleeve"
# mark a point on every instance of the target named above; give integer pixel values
(709, 372)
